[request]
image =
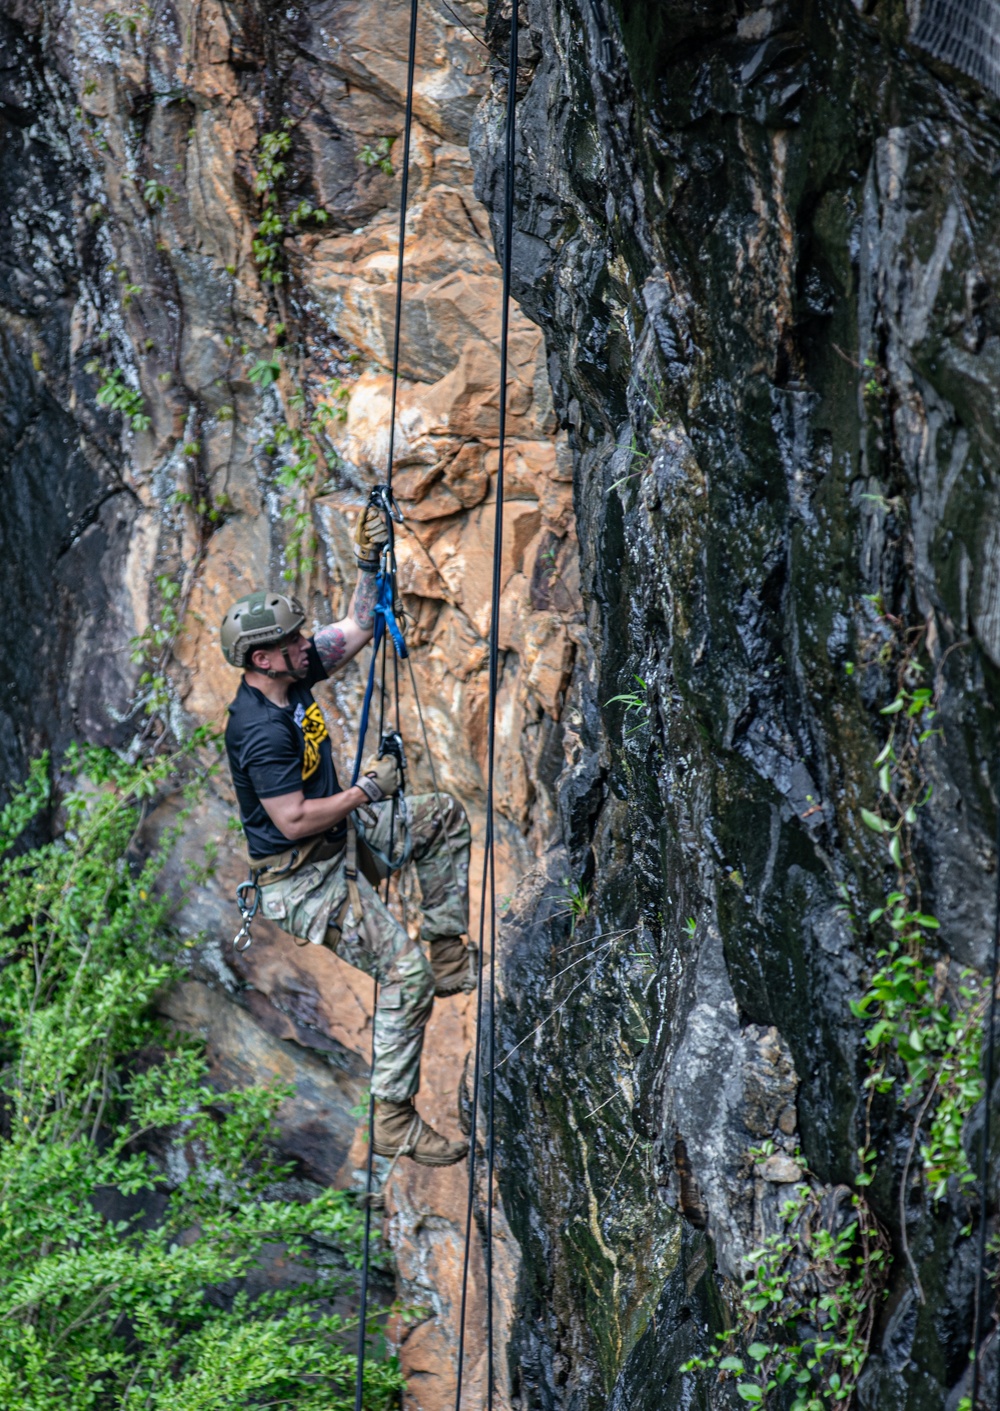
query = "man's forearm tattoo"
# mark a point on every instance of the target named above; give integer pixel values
(363, 607)
(329, 642)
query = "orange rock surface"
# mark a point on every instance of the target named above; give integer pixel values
(186, 316)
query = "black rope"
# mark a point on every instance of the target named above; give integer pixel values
(359, 1379)
(366, 1244)
(984, 1156)
(404, 193)
(489, 869)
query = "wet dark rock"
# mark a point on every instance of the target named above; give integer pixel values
(762, 246)
(65, 516)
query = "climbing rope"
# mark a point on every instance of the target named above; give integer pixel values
(401, 246)
(386, 629)
(489, 870)
(984, 1155)
(385, 623)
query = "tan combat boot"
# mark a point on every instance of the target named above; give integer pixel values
(455, 966)
(401, 1131)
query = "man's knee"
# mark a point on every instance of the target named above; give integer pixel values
(432, 811)
(454, 817)
(412, 972)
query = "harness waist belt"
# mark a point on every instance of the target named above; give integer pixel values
(282, 864)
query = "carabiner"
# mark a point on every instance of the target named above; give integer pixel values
(247, 911)
(392, 743)
(383, 497)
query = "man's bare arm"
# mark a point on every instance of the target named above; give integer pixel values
(298, 817)
(342, 640)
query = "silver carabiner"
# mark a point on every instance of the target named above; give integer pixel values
(247, 911)
(388, 502)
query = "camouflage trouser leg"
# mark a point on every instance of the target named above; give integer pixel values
(382, 948)
(440, 837)
(304, 905)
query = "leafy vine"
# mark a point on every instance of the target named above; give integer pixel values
(273, 225)
(114, 393)
(924, 1013)
(807, 1304)
(302, 451)
(809, 1296)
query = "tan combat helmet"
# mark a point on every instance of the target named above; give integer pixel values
(259, 619)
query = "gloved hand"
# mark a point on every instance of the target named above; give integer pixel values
(370, 536)
(381, 778)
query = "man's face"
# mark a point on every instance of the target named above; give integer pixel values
(297, 648)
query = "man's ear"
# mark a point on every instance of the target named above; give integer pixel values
(263, 665)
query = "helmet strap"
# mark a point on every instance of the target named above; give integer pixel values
(288, 671)
(298, 675)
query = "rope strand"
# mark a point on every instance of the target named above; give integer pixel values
(401, 247)
(390, 567)
(489, 868)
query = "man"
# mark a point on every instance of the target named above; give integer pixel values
(302, 828)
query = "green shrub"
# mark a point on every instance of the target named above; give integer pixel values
(101, 1313)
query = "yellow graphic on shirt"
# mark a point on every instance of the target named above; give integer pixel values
(315, 732)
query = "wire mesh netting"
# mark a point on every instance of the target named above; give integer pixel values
(965, 34)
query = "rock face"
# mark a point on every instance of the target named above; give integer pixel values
(144, 148)
(754, 373)
(762, 247)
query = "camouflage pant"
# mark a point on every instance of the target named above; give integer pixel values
(306, 903)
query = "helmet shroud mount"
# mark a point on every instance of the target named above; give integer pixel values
(260, 619)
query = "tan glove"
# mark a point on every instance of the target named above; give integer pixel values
(370, 537)
(381, 778)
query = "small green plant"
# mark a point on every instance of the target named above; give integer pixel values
(273, 226)
(151, 648)
(577, 899)
(378, 155)
(924, 1014)
(690, 928)
(924, 1020)
(120, 22)
(116, 394)
(129, 290)
(634, 455)
(361, 1108)
(634, 703)
(265, 371)
(874, 387)
(155, 194)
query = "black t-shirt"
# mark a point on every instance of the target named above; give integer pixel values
(276, 750)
